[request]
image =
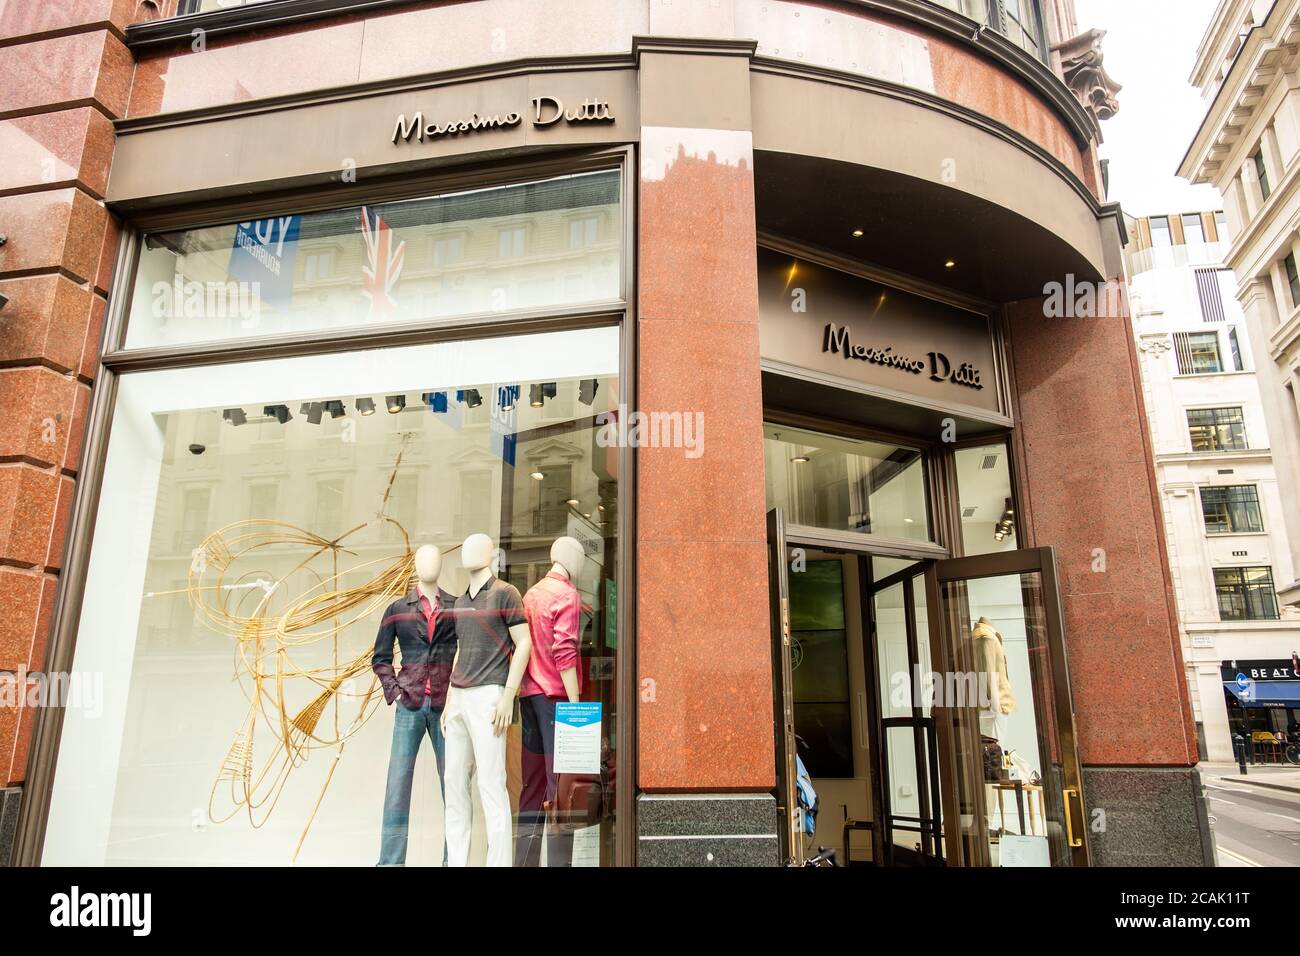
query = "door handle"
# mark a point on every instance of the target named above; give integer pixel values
(1070, 838)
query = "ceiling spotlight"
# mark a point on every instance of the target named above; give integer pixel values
(508, 396)
(587, 390)
(801, 459)
(437, 401)
(535, 396)
(858, 233)
(600, 507)
(312, 411)
(949, 264)
(236, 416)
(366, 406)
(586, 514)
(280, 413)
(396, 403)
(572, 502)
(472, 398)
(335, 408)
(537, 476)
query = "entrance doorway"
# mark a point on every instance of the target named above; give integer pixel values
(928, 700)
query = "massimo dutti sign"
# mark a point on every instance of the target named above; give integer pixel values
(542, 111)
(818, 318)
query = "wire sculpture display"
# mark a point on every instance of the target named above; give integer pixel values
(277, 622)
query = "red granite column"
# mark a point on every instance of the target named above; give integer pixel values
(67, 75)
(703, 645)
(1088, 486)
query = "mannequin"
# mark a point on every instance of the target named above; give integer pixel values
(991, 664)
(422, 625)
(554, 611)
(492, 649)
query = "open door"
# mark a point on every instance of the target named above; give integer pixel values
(783, 691)
(1002, 681)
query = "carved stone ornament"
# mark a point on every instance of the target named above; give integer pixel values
(1081, 64)
(1155, 345)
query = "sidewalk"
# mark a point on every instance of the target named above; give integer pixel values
(1272, 776)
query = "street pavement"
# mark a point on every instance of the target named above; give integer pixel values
(1254, 825)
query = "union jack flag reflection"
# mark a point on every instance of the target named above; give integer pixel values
(384, 265)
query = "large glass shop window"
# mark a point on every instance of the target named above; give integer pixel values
(538, 245)
(256, 554)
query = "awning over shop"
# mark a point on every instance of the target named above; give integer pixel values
(1266, 693)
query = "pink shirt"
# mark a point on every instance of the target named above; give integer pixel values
(431, 614)
(552, 606)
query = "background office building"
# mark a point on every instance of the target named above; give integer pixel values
(1246, 148)
(300, 285)
(1222, 499)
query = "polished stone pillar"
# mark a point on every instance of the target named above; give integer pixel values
(705, 746)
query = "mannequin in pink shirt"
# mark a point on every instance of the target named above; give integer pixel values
(554, 609)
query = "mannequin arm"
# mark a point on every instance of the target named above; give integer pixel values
(523, 642)
(442, 721)
(570, 677)
(381, 660)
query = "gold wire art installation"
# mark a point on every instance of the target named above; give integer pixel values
(278, 624)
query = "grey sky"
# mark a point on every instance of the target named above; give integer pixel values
(1150, 47)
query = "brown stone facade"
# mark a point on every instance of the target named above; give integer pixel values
(68, 76)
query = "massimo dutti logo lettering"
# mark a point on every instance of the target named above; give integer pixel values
(77, 909)
(545, 111)
(839, 341)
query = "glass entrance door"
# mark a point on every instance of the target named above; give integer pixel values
(1005, 692)
(908, 821)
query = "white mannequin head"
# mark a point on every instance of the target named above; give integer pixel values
(428, 564)
(569, 554)
(476, 552)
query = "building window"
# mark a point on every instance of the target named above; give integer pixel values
(1160, 234)
(1245, 594)
(1193, 229)
(369, 265)
(1234, 345)
(988, 518)
(1231, 509)
(1197, 352)
(1261, 173)
(510, 242)
(1292, 279)
(204, 6)
(1217, 429)
(584, 232)
(846, 484)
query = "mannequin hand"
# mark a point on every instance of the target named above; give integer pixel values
(504, 713)
(442, 718)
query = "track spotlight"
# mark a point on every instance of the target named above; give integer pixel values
(396, 403)
(312, 411)
(472, 398)
(366, 406)
(236, 416)
(280, 413)
(587, 390)
(535, 396)
(335, 408)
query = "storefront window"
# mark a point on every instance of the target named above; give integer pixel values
(256, 525)
(988, 516)
(526, 246)
(844, 484)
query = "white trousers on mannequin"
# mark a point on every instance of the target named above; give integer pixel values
(471, 744)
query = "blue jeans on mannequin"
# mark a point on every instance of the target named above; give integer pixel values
(409, 730)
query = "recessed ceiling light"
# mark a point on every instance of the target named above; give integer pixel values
(586, 514)
(800, 459)
(949, 264)
(572, 502)
(537, 476)
(857, 233)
